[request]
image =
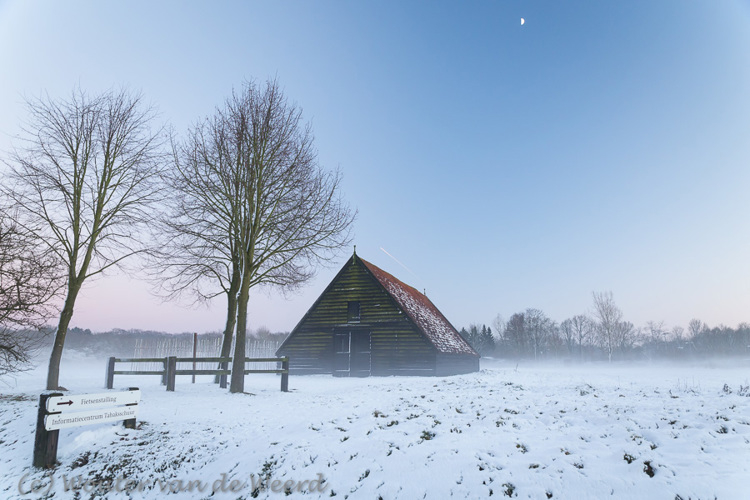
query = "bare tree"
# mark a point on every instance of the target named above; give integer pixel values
(499, 324)
(515, 336)
(263, 211)
(678, 333)
(656, 331)
(696, 327)
(625, 335)
(582, 327)
(87, 179)
(29, 279)
(293, 215)
(199, 252)
(568, 334)
(608, 317)
(539, 329)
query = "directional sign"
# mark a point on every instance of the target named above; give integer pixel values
(58, 411)
(90, 417)
(81, 402)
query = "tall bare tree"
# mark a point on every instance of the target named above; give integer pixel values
(678, 333)
(87, 177)
(515, 337)
(568, 334)
(582, 326)
(29, 279)
(199, 252)
(254, 205)
(626, 335)
(539, 328)
(656, 332)
(696, 327)
(608, 317)
(293, 216)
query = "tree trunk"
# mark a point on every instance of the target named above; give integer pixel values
(53, 372)
(580, 348)
(238, 361)
(226, 343)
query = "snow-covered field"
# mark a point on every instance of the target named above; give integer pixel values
(526, 431)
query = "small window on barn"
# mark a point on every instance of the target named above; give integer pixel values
(353, 312)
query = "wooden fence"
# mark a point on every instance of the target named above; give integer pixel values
(169, 369)
(206, 347)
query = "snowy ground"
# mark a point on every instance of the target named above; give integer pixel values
(526, 431)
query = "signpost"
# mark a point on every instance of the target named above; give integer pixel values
(58, 411)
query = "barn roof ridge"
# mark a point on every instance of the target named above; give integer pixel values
(422, 312)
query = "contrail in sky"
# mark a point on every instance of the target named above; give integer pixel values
(399, 262)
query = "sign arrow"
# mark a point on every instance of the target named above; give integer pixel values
(79, 402)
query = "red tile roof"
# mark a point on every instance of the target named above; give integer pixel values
(423, 313)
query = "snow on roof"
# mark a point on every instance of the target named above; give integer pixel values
(423, 313)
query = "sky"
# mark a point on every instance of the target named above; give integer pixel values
(600, 146)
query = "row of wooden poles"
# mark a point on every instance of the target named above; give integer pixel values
(170, 371)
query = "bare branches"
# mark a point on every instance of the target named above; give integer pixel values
(246, 188)
(612, 331)
(198, 246)
(87, 172)
(29, 279)
(87, 180)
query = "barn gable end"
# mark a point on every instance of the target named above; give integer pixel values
(386, 327)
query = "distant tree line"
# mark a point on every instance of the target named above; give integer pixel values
(120, 342)
(603, 334)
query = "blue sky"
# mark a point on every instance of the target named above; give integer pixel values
(600, 146)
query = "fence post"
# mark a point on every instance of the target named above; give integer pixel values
(195, 352)
(285, 375)
(164, 374)
(45, 442)
(171, 369)
(223, 377)
(130, 423)
(110, 382)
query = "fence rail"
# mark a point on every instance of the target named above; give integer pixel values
(200, 347)
(170, 371)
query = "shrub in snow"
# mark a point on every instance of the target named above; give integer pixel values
(648, 469)
(427, 435)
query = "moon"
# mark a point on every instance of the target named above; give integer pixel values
(522, 21)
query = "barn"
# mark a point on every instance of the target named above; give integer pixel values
(368, 322)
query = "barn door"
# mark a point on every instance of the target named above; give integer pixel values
(351, 353)
(341, 349)
(359, 358)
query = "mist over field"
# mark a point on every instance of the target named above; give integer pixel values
(517, 428)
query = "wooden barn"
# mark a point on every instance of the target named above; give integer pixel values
(367, 322)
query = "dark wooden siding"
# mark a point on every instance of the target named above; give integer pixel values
(397, 346)
(400, 349)
(455, 364)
